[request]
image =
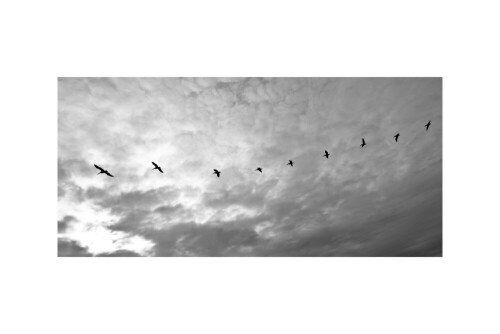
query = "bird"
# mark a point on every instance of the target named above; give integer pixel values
(216, 172)
(363, 143)
(156, 167)
(396, 137)
(326, 154)
(102, 171)
(290, 163)
(427, 126)
(259, 169)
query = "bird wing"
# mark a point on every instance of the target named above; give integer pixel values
(159, 168)
(107, 173)
(363, 140)
(102, 170)
(154, 164)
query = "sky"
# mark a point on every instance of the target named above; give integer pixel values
(384, 199)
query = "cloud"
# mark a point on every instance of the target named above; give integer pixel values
(119, 253)
(382, 200)
(62, 225)
(70, 248)
(190, 239)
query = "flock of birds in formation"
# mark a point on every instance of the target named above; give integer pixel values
(290, 162)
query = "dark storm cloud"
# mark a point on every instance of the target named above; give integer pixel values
(168, 209)
(119, 253)
(190, 239)
(381, 200)
(68, 248)
(62, 225)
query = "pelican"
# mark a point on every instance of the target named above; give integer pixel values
(216, 172)
(396, 137)
(326, 154)
(156, 167)
(102, 171)
(363, 144)
(427, 126)
(259, 169)
(290, 163)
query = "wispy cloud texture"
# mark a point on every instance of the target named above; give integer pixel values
(381, 200)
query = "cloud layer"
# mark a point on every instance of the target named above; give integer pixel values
(381, 200)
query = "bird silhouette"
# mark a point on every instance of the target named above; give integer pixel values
(102, 171)
(216, 172)
(427, 126)
(326, 154)
(156, 167)
(259, 169)
(396, 137)
(290, 163)
(363, 143)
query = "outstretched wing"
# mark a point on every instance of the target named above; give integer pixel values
(363, 139)
(156, 166)
(107, 173)
(102, 170)
(159, 168)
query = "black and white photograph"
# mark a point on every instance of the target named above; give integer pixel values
(298, 167)
(249, 167)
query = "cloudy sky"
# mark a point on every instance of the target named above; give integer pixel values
(381, 200)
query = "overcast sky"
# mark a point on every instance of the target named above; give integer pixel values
(381, 200)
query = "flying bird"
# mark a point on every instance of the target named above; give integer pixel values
(396, 137)
(156, 167)
(290, 163)
(102, 171)
(427, 126)
(216, 172)
(326, 154)
(363, 143)
(259, 169)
